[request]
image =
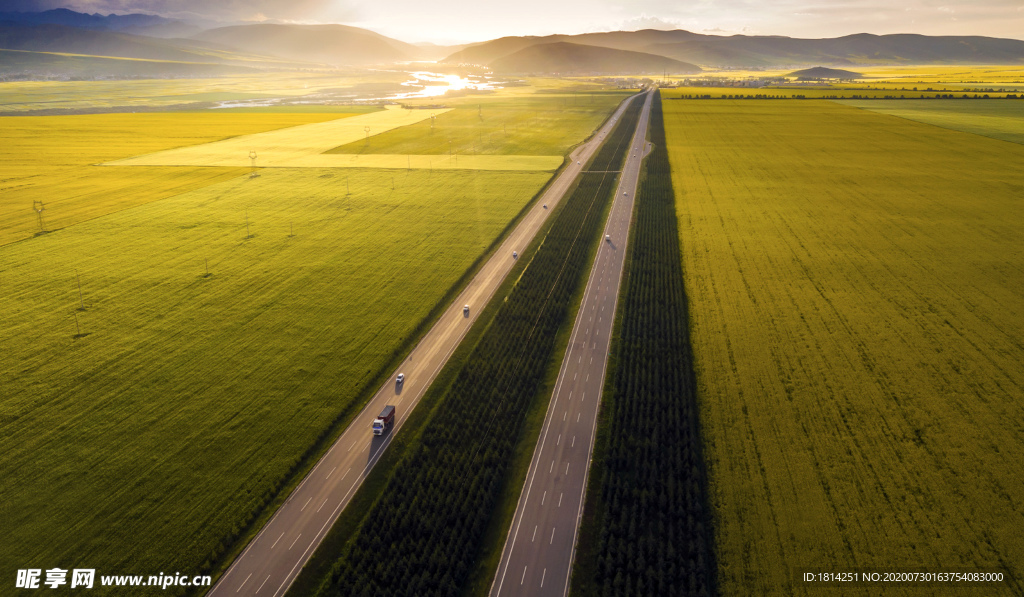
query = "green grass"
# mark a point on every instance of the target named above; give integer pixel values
(211, 388)
(502, 125)
(1000, 120)
(856, 287)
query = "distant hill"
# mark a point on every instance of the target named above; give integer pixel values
(636, 41)
(820, 72)
(763, 51)
(22, 64)
(193, 57)
(75, 40)
(330, 44)
(566, 58)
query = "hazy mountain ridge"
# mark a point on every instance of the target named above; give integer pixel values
(76, 40)
(760, 51)
(330, 44)
(33, 51)
(861, 48)
(569, 58)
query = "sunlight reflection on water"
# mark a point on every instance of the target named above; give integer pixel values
(437, 84)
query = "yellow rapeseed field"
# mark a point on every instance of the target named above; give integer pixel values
(283, 148)
(304, 147)
(856, 286)
(53, 159)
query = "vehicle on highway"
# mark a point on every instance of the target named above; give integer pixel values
(545, 206)
(624, 193)
(400, 378)
(384, 420)
(515, 255)
(465, 310)
(608, 237)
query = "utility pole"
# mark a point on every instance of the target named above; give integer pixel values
(81, 301)
(38, 206)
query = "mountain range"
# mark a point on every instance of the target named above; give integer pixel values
(268, 45)
(141, 24)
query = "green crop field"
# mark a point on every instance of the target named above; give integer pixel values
(526, 124)
(52, 159)
(999, 120)
(147, 94)
(856, 292)
(143, 432)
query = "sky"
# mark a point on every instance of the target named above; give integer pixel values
(452, 21)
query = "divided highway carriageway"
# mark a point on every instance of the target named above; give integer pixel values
(541, 543)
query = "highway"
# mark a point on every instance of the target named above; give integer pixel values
(540, 548)
(273, 559)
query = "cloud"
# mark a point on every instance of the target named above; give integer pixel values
(645, 21)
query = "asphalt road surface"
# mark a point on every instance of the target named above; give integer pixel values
(274, 558)
(541, 544)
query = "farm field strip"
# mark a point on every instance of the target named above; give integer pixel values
(999, 120)
(284, 147)
(857, 309)
(393, 162)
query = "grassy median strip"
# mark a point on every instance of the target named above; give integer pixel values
(426, 528)
(647, 531)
